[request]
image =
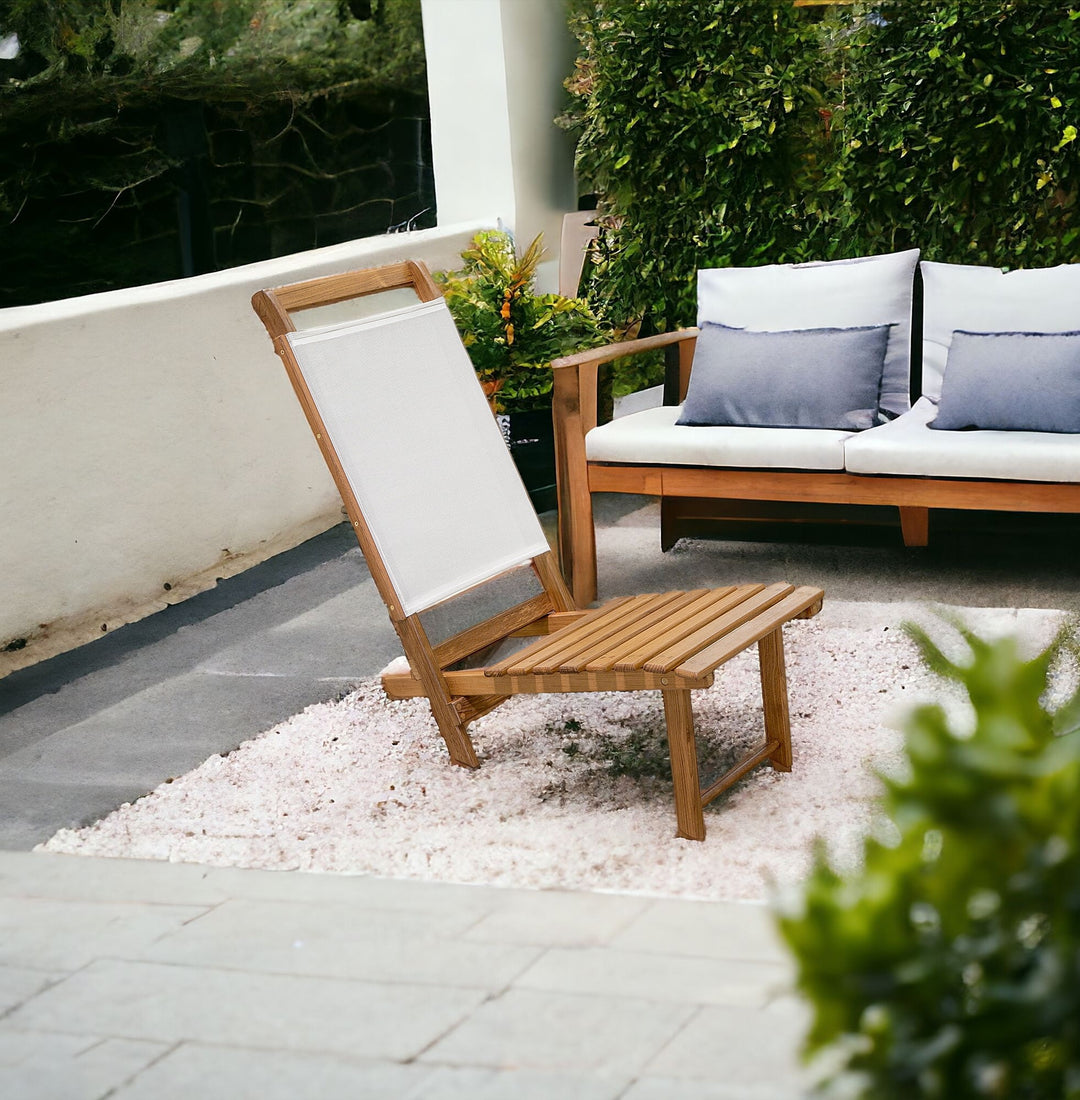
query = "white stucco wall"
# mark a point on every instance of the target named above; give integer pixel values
(495, 84)
(150, 436)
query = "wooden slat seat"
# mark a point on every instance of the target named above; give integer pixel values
(672, 642)
(661, 633)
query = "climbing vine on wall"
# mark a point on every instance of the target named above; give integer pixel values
(147, 139)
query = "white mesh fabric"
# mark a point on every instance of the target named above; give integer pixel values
(422, 452)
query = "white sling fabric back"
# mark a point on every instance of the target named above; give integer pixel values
(422, 452)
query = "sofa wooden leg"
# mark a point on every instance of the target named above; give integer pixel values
(915, 525)
(670, 515)
(577, 551)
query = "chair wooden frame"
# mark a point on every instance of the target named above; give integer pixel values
(671, 642)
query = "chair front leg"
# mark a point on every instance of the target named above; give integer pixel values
(679, 714)
(774, 698)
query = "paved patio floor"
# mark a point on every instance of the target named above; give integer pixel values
(127, 979)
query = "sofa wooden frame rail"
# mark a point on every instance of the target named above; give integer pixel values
(574, 410)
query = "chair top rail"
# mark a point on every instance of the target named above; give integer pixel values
(274, 306)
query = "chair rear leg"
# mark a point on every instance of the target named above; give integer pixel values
(458, 742)
(450, 722)
(679, 714)
(774, 698)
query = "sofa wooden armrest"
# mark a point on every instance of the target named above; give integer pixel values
(574, 403)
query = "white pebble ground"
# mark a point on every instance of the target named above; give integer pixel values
(573, 790)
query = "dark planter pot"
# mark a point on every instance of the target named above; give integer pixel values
(531, 439)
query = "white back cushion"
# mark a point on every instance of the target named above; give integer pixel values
(421, 449)
(869, 290)
(987, 299)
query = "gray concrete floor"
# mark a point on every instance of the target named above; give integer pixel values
(128, 979)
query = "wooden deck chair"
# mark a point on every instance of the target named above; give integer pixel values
(439, 509)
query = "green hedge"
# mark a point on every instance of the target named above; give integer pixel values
(959, 130)
(733, 132)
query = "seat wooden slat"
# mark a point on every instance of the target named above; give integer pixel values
(603, 658)
(566, 657)
(549, 642)
(686, 648)
(710, 657)
(473, 682)
(654, 642)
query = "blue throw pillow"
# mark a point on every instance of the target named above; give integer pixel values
(1013, 381)
(805, 378)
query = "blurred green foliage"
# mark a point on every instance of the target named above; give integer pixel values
(145, 139)
(75, 54)
(949, 967)
(510, 332)
(734, 132)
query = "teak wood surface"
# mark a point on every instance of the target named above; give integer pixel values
(669, 642)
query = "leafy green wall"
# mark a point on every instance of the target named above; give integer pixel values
(731, 132)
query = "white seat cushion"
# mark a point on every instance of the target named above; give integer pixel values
(906, 446)
(652, 438)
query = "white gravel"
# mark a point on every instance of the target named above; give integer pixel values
(364, 785)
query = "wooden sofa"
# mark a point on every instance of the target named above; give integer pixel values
(906, 468)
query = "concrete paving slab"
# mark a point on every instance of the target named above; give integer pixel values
(657, 976)
(567, 920)
(520, 1084)
(675, 1088)
(34, 810)
(68, 1067)
(19, 983)
(196, 1071)
(297, 647)
(529, 1029)
(730, 930)
(172, 727)
(171, 1004)
(83, 879)
(738, 1046)
(344, 941)
(52, 935)
(407, 895)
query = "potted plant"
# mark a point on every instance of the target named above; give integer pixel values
(512, 334)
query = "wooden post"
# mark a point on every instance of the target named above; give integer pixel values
(679, 715)
(774, 698)
(574, 412)
(915, 525)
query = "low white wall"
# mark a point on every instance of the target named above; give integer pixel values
(150, 437)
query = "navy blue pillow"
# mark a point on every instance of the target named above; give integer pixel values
(1013, 381)
(804, 378)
